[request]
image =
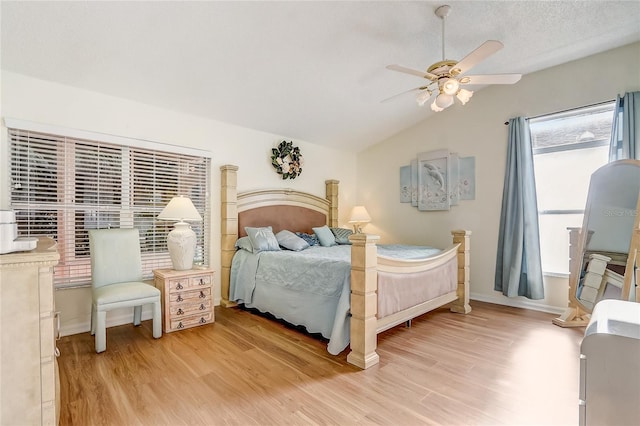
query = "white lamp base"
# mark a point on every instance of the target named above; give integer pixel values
(182, 246)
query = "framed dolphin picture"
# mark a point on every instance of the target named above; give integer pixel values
(434, 170)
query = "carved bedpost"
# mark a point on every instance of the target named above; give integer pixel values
(229, 231)
(462, 237)
(364, 302)
(332, 196)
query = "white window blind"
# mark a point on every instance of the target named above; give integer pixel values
(63, 186)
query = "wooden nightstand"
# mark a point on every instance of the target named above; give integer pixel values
(186, 297)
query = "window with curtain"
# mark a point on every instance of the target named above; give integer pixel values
(64, 186)
(568, 147)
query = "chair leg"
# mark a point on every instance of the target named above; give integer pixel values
(101, 331)
(93, 319)
(137, 315)
(157, 320)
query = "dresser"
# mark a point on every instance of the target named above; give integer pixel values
(29, 384)
(186, 297)
(609, 391)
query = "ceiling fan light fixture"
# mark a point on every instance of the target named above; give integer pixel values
(443, 101)
(435, 107)
(464, 95)
(450, 86)
(423, 97)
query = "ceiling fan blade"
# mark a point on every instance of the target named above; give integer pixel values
(411, 71)
(485, 50)
(416, 89)
(491, 79)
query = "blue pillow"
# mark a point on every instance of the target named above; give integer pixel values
(291, 241)
(262, 239)
(342, 235)
(312, 240)
(245, 244)
(325, 236)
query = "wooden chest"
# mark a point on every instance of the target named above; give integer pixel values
(187, 299)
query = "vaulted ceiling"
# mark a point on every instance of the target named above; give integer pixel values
(307, 70)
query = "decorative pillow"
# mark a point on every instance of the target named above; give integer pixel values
(342, 235)
(291, 241)
(262, 239)
(245, 244)
(312, 240)
(325, 236)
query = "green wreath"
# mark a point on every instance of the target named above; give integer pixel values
(287, 160)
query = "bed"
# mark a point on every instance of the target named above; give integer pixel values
(365, 298)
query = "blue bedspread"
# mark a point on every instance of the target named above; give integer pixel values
(309, 288)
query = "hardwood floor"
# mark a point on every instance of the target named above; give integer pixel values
(495, 366)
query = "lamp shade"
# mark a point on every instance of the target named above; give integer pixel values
(180, 208)
(359, 214)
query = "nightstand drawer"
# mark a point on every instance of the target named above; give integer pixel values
(192, 296)
(186, 283)
(200, 281)
(180, 323)
(178, 284)
(189, 309)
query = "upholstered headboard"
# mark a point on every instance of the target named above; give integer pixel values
(281, 209)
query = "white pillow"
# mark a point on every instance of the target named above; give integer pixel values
(262, 239)
(245, 244)
(291, 241)
(325, 236)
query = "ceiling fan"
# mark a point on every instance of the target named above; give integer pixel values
(447, 78)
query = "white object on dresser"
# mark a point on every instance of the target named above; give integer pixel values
(610, 365)
(29, 389)
(186, 297)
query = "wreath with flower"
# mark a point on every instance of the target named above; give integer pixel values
(287, 160)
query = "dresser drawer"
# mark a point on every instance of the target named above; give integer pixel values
(200, 281)
(190, 309)
(192, 296)
(192, 321)
(186, 283)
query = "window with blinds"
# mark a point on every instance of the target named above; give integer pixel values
(62, 187)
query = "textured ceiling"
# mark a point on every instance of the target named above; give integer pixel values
(307, 70)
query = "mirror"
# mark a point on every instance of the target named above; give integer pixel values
(604, 252)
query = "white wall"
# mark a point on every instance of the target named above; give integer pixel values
(30, 99)
(477, 129)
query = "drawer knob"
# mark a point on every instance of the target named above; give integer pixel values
(179, 299)
(202, 295)
(201, 282)
(180, 325)
(179, 286)
(202, 320)
(202, 307)
(180, 311)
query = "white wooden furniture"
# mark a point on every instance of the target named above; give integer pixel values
(302, 209)
(610, 365)
(186, 297)
(29, 388)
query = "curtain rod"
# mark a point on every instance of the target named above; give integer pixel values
(565, 110)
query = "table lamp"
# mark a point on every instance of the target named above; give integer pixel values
(181, 240)
(359, 217)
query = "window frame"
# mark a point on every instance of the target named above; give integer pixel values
(73, 269)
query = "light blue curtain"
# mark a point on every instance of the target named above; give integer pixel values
(625, 134)
(518, 264)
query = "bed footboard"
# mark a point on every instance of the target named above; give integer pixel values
(365, 264)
